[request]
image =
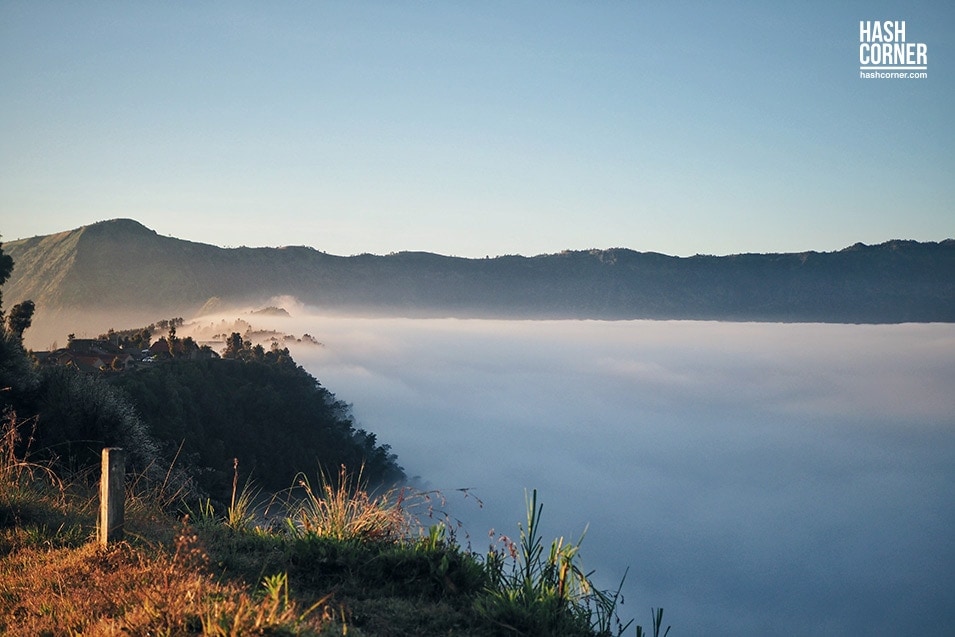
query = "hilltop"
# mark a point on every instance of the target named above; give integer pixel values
(120, 264)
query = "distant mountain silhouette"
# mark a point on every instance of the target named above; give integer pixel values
(121, 264)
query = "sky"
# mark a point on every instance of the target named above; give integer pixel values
(476, 128)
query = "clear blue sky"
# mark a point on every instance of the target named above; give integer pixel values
(473, 128)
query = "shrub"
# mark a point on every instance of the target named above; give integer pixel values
(80, 414)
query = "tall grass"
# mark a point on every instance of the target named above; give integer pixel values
(33, 498)
(133, 590)
(656, 621)
(345, 560)
(545, 592)
(343, 509)
(17, 471)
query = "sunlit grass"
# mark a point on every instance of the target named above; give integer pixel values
(346, 560)
(128, 589)
(343, 509)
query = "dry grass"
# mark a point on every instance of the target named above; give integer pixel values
(19, 477)
(143, 591)
(344, 510)
(55, 581)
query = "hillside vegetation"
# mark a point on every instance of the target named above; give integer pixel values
(337, 561)
(327, 555)
(119, 264)
(196, 415)
(268, 412)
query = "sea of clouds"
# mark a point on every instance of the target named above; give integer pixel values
(755, 478)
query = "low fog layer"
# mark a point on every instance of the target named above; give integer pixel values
(756, 478)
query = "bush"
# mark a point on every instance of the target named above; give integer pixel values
(80, 414)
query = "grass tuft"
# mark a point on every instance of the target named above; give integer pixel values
(344, 510)
(543, 593)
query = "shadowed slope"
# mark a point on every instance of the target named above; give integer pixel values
(119, 264)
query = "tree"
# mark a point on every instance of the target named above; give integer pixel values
(188, 347)
(233, 346)
(21, 317)
(258, 353)
(6, 267)
(18, 376)
(270, 413)
(172, 340)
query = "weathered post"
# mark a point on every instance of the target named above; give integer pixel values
(111, 495)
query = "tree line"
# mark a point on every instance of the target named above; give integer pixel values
(256, 405)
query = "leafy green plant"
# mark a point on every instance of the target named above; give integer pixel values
(544, 593)
(276, 587)
(606, 620)
(433, 566)
(206, 514)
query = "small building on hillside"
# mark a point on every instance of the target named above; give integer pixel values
(88, 355)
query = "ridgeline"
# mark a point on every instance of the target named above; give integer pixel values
(114, 265)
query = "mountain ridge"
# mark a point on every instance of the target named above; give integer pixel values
(121, 263)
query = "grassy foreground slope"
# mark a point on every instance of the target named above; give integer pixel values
(337, 561)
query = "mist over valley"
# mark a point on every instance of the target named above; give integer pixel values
(752, 476)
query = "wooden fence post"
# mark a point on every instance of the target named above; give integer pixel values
(111, 495)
